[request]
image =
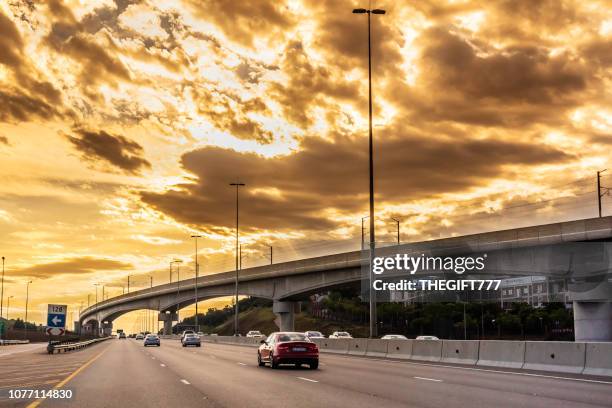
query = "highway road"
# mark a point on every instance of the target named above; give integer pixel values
(122, 373)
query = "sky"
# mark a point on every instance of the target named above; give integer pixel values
(123, 122)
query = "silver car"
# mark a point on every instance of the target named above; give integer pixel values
(191, 339)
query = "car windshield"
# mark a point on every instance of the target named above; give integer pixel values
(343, 334)
(191, 335)
(291, 337)
(255, 332)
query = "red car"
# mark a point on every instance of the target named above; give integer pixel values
(288, 348)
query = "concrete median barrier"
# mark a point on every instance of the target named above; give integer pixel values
(401, 349)
(427, 350)
(460, 351)
(376, 347)
(357, 347)
(598, 359)
(338, 346)
(501, 353)
(555, 356)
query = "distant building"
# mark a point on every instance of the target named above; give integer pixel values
(533, 290)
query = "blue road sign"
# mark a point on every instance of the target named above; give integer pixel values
(56, 320)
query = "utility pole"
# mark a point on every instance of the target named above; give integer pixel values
(601, 191)
(128, 283)
(271, 262)
(373, 318)
(237, 185)
(196, 281)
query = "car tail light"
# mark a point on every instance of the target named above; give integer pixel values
(283, 347)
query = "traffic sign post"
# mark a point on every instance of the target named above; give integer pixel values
(56, 320)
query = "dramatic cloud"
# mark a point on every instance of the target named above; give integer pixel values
(73, 266)
(114, 149)
(294, 191)
(243, 21)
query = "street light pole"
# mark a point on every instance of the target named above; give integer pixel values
(96, 285)
(178, 285)
(170, 280)
(237, 185)
(196, 281)
(2, 291)
(363, 231)
(371, 167)
(26, 309)
(8, 306)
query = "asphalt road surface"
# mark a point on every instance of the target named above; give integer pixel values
(122, 373)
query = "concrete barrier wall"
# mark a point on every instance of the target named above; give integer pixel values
(338, 346)
(357, 347)
(460, 351)
(377, 348)
(565, 357)
(427, 350)
(401, 349)
(555, 356)
(598, 359)
(501, 353)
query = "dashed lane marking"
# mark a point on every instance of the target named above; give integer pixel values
(428, 379)
(307, 379)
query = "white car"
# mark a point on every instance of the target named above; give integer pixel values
(140, 336)
(186, 332)
(394, 337)
(340, 335)
(427, 338)
(256, 334)
(314, 334)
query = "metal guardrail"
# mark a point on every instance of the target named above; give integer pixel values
(13, 342)
(58, 346)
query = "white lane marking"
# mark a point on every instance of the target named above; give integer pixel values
(152, 358)
(242, 364)
(427, 379)
(185, 382)
(307, 379)
(163, 365)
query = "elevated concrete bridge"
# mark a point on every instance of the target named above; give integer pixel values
(285, 283)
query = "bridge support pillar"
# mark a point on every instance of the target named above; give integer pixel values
(592, 310)
(593, 321)
(167, 318)
(285, 313)
(107, 328)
